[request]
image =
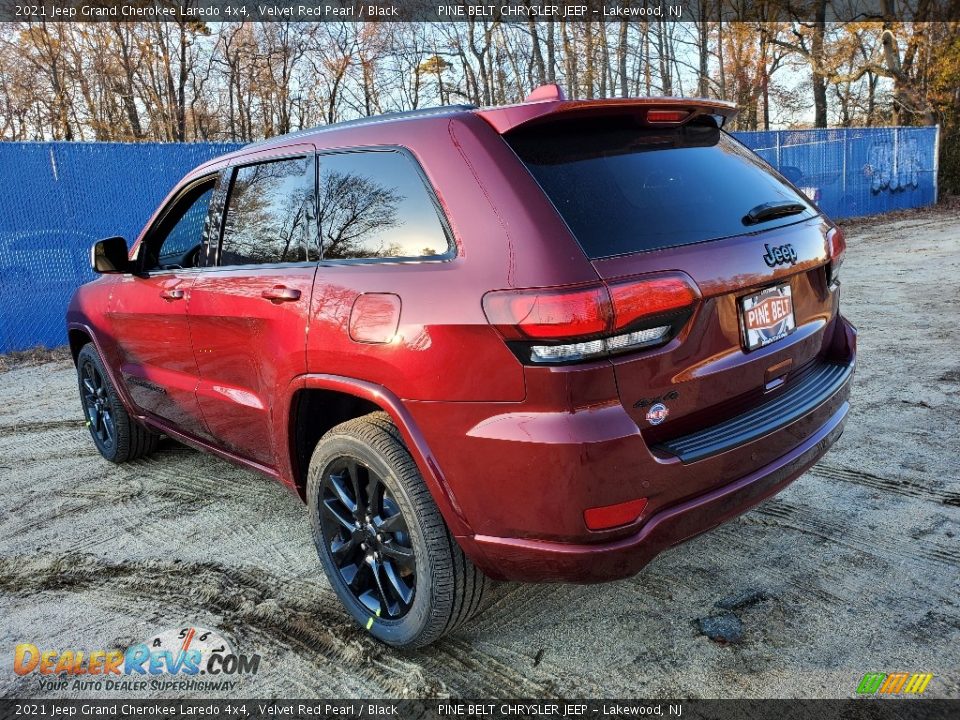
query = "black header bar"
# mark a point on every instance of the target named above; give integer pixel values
(872, 708)
(479, 10)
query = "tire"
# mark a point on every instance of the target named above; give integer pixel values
(369, 570)
(117, 436)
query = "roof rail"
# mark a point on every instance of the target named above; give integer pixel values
(371, 120)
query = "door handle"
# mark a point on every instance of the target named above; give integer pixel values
(174, 294)
(281, 293)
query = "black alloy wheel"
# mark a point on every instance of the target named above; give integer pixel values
(383, 544)
(368, 538)
(97, 406)
(117, 436)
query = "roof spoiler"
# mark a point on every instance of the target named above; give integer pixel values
(547, 104)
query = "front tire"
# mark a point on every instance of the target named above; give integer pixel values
(384, 546)
(117, 436)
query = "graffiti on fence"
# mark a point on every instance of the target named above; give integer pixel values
(894, 166)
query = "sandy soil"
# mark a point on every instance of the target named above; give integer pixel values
(853, 569)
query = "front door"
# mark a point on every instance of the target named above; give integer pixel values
(249, 314)
(148, 313)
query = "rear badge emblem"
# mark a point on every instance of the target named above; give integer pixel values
(780, 255)
(657, 414)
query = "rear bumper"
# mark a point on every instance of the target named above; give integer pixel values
(543, 561)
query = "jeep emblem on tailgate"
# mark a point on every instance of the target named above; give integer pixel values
(779, 255)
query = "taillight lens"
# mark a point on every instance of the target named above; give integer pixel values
(548, 314)
(560, 325)
(634, 300)
(837, 251)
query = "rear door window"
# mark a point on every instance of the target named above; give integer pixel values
(375, 204)
(624, 188)
(270, 214)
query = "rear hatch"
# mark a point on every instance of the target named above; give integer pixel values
(684, 196)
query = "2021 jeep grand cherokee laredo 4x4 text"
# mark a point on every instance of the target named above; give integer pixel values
(540, 342)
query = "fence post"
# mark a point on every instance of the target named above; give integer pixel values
(936, 166)
(777, 134)
(895, 174)
(846, 144)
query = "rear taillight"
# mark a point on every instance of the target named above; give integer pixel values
(562, 325)
(548, 314)
(836, 251)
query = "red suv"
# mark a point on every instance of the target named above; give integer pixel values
(541, 342)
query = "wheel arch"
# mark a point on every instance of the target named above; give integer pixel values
(77, 337)
(319, 402)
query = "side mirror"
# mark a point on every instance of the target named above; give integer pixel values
(110, 256)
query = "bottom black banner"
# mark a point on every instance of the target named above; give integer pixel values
(854, 709)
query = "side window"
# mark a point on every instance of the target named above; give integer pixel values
(375, 205)
(269, 216)
(176, 242)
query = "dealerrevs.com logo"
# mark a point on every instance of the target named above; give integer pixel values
(188, 658)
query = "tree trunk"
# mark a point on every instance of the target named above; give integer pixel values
(622, 60)
(817, 65)
(703, 50)
(538, 70)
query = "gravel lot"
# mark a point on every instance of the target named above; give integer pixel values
(854, 568)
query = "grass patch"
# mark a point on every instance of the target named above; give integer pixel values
(34, 356)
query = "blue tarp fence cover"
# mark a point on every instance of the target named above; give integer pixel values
(57, 198)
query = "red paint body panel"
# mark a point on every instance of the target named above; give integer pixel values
(512, 453)
(247, 348)
(539, 561)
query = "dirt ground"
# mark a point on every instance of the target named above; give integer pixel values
(852, 569)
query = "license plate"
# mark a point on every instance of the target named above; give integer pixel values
(766, 316)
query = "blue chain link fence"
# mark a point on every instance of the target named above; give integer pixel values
(57, 198)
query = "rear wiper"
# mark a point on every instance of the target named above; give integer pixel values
(771, 210)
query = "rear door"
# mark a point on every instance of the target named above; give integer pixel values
(249, 314)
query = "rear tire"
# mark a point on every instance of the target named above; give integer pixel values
(117, 436)
(411, 583)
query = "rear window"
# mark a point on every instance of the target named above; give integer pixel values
(625, 188)
(269, 211)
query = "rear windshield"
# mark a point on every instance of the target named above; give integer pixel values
(624, 188)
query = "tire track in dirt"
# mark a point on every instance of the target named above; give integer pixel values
(904, 487)
(93, 498)
(41, 426)
(54, 446)
(194, 477)
(291, 614)
(301, 615)
(470, 671)
(819, 589)
(272, 553)
(781, 512)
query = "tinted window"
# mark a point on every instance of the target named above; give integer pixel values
(375, 205)
(269, 214)
(623, 188)
(179, 248)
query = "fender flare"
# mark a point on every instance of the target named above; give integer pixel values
(120, 387)
(416, 444)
